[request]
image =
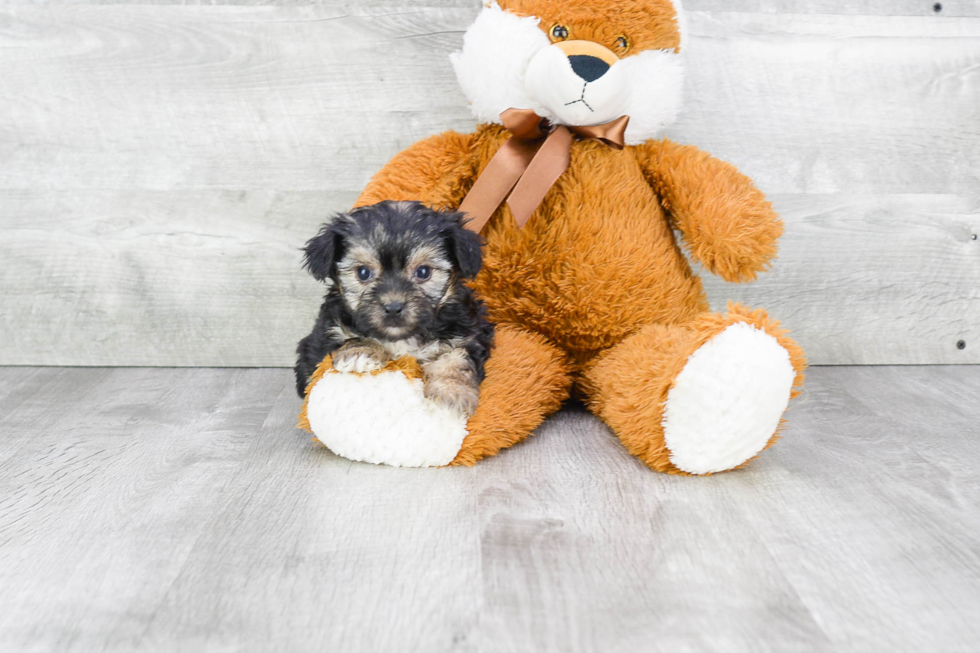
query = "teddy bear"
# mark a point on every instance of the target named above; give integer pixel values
(589, 217)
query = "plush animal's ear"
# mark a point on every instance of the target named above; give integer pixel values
(465, 247)
(322, 252)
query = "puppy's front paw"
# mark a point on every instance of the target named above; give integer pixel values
(452, 392)
(359, 359)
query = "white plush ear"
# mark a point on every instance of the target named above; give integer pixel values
(493, 62)
(656, 82)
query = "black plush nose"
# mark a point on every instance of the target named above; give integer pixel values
(588, 67)
(394, 309)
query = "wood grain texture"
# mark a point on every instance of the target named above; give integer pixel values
(949, 8)
(162, 162)
(214, 277)
(161, 97)
(179, 510)
(158, 278)
(838, 104)
(274, 97)
(106, 467)
(873, 279)
(641, 560)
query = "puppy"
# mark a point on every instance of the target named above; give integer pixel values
(395, 273)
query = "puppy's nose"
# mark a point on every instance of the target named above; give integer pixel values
(588, 67)
(394, 309)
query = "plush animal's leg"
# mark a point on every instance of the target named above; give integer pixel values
(527, 379)
(698, 398)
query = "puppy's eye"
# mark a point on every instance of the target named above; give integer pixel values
(423, 272)
(622, 44)
(558, 32)
(363, 273)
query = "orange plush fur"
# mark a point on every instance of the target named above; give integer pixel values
(595, 291)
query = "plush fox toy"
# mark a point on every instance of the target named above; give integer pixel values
(583, 275)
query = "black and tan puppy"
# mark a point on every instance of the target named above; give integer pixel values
(395, 273)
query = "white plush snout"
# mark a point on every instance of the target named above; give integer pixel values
(568, 98)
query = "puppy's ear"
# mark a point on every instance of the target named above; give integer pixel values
(465, 247)
(322, 252)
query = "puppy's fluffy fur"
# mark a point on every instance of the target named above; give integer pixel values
(395, 273)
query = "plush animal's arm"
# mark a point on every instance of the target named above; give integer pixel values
(436, 171)
(726, 221)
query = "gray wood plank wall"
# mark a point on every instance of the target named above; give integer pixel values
(161, 163)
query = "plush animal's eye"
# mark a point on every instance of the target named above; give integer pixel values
(423, 272)
(622, 44)
(363, 273)
(559, 32)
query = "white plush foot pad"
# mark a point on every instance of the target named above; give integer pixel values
(727, 401)
(383, 418)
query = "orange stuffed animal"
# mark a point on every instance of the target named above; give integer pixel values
(593, 293)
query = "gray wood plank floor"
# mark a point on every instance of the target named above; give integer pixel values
(178, 509)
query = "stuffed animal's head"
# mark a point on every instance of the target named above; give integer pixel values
(576, 62)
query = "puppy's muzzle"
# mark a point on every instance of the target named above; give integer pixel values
(394, 309)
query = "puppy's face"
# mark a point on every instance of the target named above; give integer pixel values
(395, 264)
(393, 285)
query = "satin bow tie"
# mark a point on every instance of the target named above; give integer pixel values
(529, 163)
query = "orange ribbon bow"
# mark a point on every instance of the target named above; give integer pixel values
(529, 163)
